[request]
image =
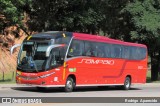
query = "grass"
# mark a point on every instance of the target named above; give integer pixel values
(7, 77)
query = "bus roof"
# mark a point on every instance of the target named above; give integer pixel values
(104, 39)
(82, 36)
(49, 35)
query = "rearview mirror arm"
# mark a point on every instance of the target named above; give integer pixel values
(13, 47)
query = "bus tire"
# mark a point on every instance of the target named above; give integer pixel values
(127, 83)
(69, 84)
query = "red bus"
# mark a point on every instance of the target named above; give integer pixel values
(69, 60)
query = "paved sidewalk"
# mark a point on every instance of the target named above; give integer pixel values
(8, 86)
(147, 85)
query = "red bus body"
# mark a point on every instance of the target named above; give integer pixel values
(90, 71)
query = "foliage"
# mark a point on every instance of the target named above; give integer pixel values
(70, 15)
(114, 22)
(12, 12)
(145, 18)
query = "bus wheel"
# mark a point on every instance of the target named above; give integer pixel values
(69, 85)
(127, 83)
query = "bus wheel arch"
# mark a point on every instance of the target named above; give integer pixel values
(70, 83)
(127, 82)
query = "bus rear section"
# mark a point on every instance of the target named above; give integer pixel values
(97, 63)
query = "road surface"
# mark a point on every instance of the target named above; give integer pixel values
(144, 90)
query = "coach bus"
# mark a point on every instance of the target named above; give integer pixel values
(69, 60)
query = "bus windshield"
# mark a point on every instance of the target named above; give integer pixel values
(32, 57)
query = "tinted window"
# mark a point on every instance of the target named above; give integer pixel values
(116, 51)
(76, 48)
(56, 58)
(125, 52)
(100, 50)
(137, 53)
(90, 49)
(143, 53)
(107, 50)
(133, 53)
(104, 50)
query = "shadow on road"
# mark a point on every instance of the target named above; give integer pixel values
(78, 89)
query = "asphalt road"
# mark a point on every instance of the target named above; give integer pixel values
(144, 90)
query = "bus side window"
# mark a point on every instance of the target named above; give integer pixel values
(107, 50)
(94, 49)
(114, 51)
(137, 53)
(143, 53)
(100, 50)
(76, 48)
(140, 53)
(56, 58)
(90, 49)
(54, 55)
(134, 53)
(125, 52)
(117, 51)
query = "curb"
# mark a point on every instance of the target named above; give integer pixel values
(8, 86)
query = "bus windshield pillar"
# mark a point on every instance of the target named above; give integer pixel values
(50, 48)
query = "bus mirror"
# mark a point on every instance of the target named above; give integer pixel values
(13, 47)
(51, 47)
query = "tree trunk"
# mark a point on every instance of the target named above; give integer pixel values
(154, 72)
(154, 67)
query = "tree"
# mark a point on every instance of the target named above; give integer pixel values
(114, 22)
(145, 18)
(70, 15)
(13, 13)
